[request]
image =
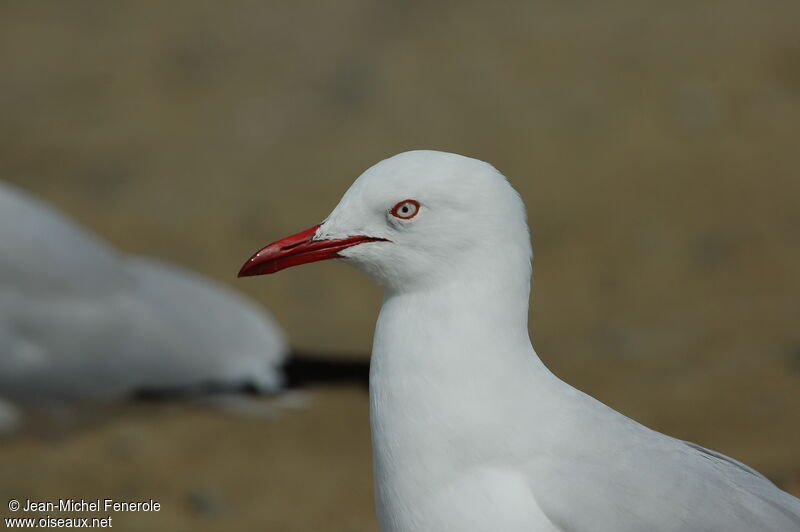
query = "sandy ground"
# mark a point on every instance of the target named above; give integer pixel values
(655, 145)
(285, 470)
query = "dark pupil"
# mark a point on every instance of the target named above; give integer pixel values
(404, 209)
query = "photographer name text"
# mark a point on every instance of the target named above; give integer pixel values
(91, 505)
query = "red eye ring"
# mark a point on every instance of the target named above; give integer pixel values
(406, 209)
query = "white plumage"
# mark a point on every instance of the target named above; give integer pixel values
(79, 320)
(471, 432)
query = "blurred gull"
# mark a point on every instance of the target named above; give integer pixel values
(81, 321)
(471, 432)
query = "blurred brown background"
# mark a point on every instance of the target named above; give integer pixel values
(655, 145)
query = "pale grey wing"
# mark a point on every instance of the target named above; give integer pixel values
(79, 320)
(714, 455)
(56, 281)
(42, 251)
(162, 329)
(611, 474)
(201, 332)
(773, 505)
(59, 346)
(659, 484)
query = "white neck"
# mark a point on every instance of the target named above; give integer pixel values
(439, 357)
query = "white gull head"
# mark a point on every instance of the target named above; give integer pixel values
(440, 215)
(417, 220)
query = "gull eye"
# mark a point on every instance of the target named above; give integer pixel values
(406, 209)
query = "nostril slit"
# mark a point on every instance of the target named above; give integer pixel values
(290, 246)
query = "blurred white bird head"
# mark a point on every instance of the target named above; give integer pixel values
(413, 221)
